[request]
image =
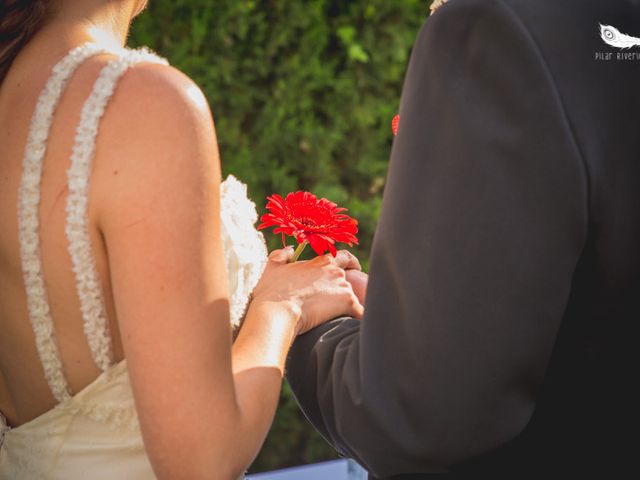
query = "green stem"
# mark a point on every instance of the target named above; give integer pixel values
(298, 251)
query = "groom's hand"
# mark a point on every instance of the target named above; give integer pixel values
(359, 281)
(354, 274)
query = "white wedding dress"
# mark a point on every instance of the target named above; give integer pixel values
(94, 434)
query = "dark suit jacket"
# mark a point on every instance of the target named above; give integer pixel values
(505, 272)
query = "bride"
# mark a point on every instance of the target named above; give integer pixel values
(123, 261)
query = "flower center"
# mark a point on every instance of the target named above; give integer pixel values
(321, 220)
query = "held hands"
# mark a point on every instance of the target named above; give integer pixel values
(359, 281)
(315, 291)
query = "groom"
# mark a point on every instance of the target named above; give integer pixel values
(505, 273)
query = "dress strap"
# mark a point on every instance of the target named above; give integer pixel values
(96, 326)
(28, 220)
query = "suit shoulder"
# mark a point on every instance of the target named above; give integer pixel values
(547, 12)
(458, 17)
(468, 27)
(522, 7)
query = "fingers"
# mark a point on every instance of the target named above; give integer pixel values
(357, 309)
(281, 255)
(359, 282)
(346, 260)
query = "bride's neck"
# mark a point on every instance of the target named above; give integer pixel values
(77, 22)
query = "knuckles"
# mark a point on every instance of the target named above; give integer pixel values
(338, 273)
(322, 260)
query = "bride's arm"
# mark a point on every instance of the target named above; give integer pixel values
(156, 188)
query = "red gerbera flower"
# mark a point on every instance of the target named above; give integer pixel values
(321, 223)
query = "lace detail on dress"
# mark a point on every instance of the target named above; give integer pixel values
(4, 428)
(116, 417)
(245, 248)
(34, 463)
(108, 400)
(28, 221)
(96, 326)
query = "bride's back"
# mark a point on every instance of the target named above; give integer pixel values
(117, 204)
(22, 378)
(33, 378)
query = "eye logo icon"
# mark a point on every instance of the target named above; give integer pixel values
(612, 36)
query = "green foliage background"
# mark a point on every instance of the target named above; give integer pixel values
(303, 93)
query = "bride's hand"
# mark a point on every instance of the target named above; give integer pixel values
(315, 290)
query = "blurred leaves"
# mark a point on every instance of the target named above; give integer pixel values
(303, 93)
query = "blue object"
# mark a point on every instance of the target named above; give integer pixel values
(334, 470)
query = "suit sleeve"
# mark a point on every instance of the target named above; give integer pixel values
(483, 221)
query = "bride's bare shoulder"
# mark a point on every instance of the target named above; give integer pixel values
(157, 109)
(161, 96)
(157, 133)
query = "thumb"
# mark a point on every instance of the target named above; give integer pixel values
(281, 255)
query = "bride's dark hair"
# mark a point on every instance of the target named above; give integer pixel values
(19, 20)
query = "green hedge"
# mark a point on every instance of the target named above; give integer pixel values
(303, 93)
